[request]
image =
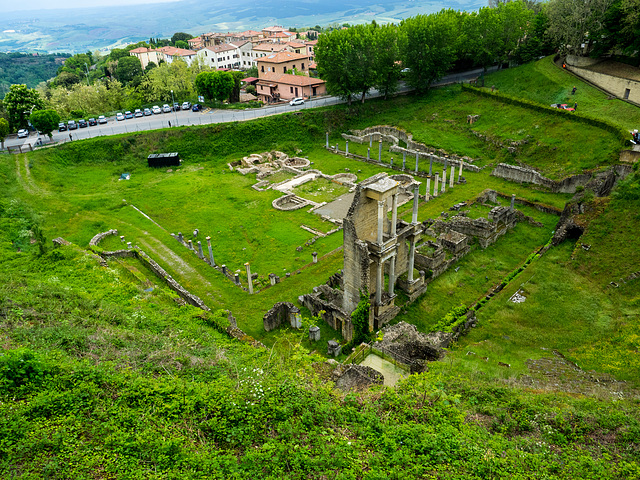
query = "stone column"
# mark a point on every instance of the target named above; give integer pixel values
(404, 160)
(122, 238)
(417, 158)
(272, 278)
(314, 333)
(213, 262)
(428, 194)
(453, 172)
(347, 148)
(446, 162)
(379, 283)
(435, 186)
(200, 254)
(444, 180)
(416, 200)
(190, 245)
(412, 256)
(380, 220)
(513, 200)
(315, 257)
(337, 149)
(224, 269)
(370, 141)
(129, 246)
(391, 162)
(236, 278)
(249, 279)
(327, 137)
(180, 238)
(380, 151)
(392, 274)
(394, 214)
(294, 317)
(460, 171)
(368, 153)
(430, 165)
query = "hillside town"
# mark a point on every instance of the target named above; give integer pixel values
(284, 59)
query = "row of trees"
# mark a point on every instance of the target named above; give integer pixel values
(425, 47)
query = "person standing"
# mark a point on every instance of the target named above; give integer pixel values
(169, 123)
(70, 138)
(573, 92)
(575, 106)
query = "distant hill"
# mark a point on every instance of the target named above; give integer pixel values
(27, 68)
(79, 30)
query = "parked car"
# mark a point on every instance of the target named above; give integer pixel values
(23, 133)
(128, 115)
(297, 101)
(186, 106)
(92, 122)
(156, 109)
(138, 113)
(102, 119)
(147, 112)
(176, 107)
(82, 123)
(166, 108)
(119, 116)
(196, 107)
(72, 125)
(563, 106)
(62, 127)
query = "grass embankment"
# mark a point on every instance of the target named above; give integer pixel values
(545, 83)
(102, 379)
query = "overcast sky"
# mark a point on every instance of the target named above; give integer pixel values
(7, 5)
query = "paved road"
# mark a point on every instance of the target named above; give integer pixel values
(187, 117)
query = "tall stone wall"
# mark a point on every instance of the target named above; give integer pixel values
(617, 86)
(278, 315)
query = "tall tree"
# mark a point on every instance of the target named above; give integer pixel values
(45, 121)
(331, 54)
(428, 47)
(215, 85)
(4, 131)
(574, 25)
(19, 102)
(387, 61)
(180, 36)
(128, 69)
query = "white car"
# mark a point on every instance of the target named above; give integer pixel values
(102, 119)
(297, 101)
(119, 116)
(166, 108)
(156, 109)
(23, 133)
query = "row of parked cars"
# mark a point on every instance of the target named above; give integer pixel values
(166, 108)
(82, 123)
(156, 110)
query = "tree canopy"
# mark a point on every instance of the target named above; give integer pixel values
(45, 121)
(215, 85)
(19, 102)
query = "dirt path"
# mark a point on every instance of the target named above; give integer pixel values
(27, 181)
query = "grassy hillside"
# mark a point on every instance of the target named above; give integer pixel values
(105, 375)
(545, 83)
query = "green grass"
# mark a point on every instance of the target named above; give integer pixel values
(545, 83)
(320, 190)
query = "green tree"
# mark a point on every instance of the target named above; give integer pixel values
(19, 102)
(180, 36)
(572, 24)
(128, 69)
(182, 44)
(234, 97)
(428, 47)
(118, 53)
(215, 85)
(45, 121)
(387, 60)
(4, 131)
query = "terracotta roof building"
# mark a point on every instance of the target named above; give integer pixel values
(273, 87)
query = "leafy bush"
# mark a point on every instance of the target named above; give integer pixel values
(454, 318)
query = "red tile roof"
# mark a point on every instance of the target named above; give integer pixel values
(282, 57)
(286, 79)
